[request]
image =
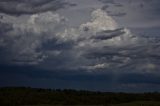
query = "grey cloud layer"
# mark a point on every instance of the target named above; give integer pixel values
(20, 7)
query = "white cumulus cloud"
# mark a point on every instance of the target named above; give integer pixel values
(100, 21)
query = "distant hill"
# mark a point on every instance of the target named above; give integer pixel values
(19, 96)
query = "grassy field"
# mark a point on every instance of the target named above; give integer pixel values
(139, 103)
(22, 96)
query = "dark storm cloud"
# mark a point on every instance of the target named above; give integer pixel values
(117, 13)
(139, 79)
(53, 44)
(108, 34)
(19, 7)
(108, 1)
(31, 72)
(120, 14)
(112, 2)
(32, 76)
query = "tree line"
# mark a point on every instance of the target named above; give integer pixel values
(18, 96)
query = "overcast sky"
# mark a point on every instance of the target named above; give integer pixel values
(105, 45)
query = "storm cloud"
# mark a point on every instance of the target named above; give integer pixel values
(21, 7)
(38, 43)
(99, 44)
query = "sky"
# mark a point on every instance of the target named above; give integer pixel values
(99, 45)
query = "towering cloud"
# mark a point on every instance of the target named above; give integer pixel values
(100, 22)
(97, 45)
